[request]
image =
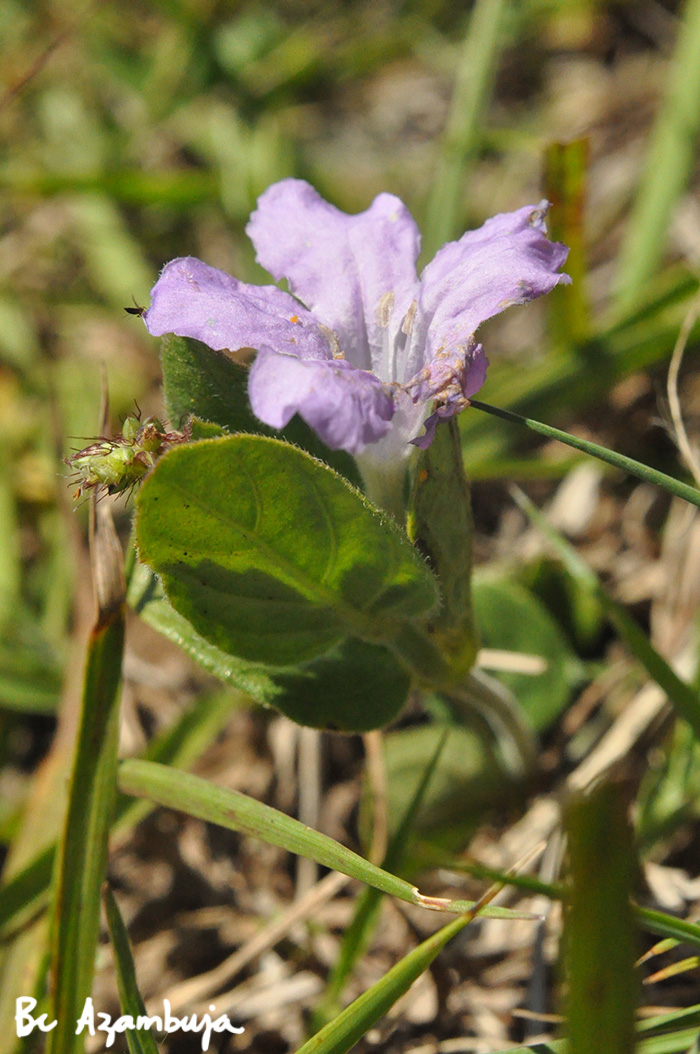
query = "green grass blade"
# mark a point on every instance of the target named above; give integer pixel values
(680, 1042)
(527, 883)
(659, 1023)
(359, 932)
(652, 921)
(140, 1041)
(684, 1041)
(350, 1026)
(611, 457)
(664, 925)
(27, 892)
(683, 697)
(114, 259)
(599, 931)
(179, 188)
(668, 165)
(463, 134)
(569, 379)
(10, 562)
(238, 812)
(668, 1042)
(82, 854)
(181, 745)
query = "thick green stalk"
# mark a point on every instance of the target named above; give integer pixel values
(441, 527)
(600, 945)
(566, 166)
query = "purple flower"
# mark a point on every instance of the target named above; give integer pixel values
(364, 346)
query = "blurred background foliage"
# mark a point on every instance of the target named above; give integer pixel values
(135, 132)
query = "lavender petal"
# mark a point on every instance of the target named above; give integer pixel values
(348, 408)
(192, 299)
(507, 261)
(356, 273)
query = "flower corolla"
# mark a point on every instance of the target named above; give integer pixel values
(361, 347)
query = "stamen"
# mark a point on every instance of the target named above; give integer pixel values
(409, 319)
(332, 339)
(537, 215)
(385, 308)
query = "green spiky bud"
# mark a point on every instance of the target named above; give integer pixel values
(118, 464)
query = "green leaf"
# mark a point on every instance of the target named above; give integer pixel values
(200, 382)
(355, 687)
(441, 527)
(147, 598)
(271, 555)
(238, 812)
(139, 1041)
(576, 611)
(366, 684)
(468, 779)
(513, 619)
(599, 930)
(214, 387)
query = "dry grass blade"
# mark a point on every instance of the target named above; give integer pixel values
(684, 966)
(376, 775)
(674, 403)
(500, 661)
(189, 992)
(309, 746)
(658, 949)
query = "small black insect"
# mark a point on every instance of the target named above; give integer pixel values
(135, 310)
